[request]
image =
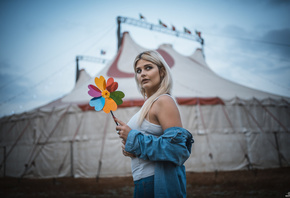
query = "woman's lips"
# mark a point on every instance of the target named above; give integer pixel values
(144, 81)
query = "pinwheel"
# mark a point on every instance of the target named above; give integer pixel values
(105, 96)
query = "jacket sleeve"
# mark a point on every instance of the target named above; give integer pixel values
(174, 145)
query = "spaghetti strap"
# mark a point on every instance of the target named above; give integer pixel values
(162, 95)
(167, 95)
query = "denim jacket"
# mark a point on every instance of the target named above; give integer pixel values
(169, 151)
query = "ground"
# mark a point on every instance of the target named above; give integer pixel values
(270, 183)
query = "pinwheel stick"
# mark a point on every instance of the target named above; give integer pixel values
(114, 117)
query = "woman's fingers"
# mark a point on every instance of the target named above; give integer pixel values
(119, 128)
(125, 153)
(122, 129)
(119, 121)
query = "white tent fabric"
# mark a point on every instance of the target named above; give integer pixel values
(234, 127)
(192, 76)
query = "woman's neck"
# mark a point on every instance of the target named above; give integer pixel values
(149, 93)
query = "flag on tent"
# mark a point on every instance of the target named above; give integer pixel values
(141, 17)
(161, 23)
(103, 52)
(198, 33)
(187, 30)
(173, 28)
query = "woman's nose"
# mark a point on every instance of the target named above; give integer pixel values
(143, 73)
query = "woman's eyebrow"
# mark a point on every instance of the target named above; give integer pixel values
(148, 64)
(137, 68)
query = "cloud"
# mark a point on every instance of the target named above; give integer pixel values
(280, 40)
(279, 36)
(13, 89)
(279, 2)
(234, 30)
(7, 73)
(11, 83)
(255, 59)
(274, 43)
(265, 53)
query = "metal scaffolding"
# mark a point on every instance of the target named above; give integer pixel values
(153, 27)
(87, 58)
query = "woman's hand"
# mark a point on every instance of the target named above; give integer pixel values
(125, 153)
(123, 129)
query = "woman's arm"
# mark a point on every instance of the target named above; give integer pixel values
(174, 145)
(165, 113)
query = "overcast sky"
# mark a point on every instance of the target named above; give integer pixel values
(247, 42)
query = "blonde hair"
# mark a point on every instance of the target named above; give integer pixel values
(165, 84)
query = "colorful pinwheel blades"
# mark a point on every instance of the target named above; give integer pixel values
(94, 91)
(105, 96)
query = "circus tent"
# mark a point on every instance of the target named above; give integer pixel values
(234, 127)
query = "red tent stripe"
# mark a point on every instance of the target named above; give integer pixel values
(180, 101)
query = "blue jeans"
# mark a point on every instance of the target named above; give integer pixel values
(144, 188)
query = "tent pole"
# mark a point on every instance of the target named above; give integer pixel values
(261, 129)
(77, 68)
(17, 139)
(202, 47)
(240, 144)
(4, 163)
(102, 150)
(278, 149)
(119, 32)
(206, 135)
(71, 159)
(274, 117)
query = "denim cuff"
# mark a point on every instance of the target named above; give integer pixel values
(132, 143)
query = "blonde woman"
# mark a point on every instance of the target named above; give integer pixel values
(154, 137)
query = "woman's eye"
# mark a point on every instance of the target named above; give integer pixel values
(138, 71)
(148, 67)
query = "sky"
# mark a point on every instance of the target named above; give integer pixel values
(247, 42)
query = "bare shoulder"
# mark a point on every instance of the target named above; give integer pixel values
(167, 113)
(166, 101)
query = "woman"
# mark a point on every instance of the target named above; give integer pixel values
(154, 137)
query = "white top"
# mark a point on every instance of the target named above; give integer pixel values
(144, 168)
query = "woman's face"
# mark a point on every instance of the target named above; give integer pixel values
(148, 76)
